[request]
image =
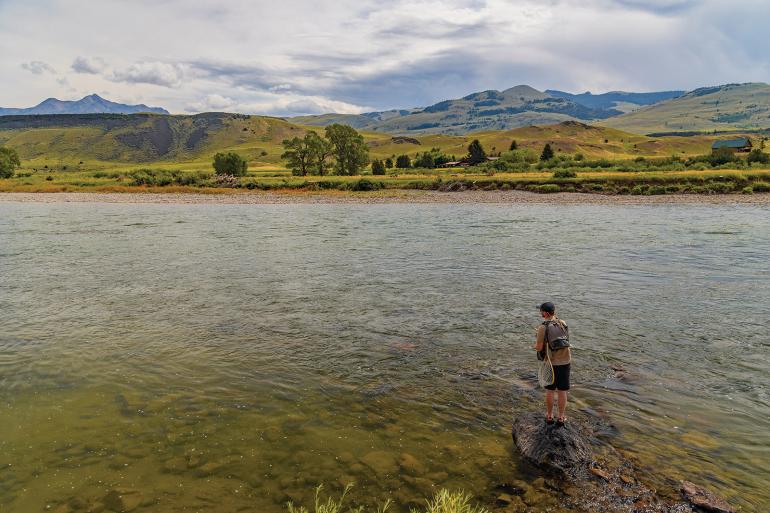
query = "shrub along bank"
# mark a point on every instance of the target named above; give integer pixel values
(619, 183)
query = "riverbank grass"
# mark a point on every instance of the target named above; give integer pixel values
(443, 501)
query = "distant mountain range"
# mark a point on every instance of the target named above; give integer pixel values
(496, 110)
(724, 108)
(93, 104)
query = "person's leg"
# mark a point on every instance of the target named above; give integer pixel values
(562, 396)
(549, 404)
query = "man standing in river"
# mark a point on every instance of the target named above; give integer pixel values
(555, 333)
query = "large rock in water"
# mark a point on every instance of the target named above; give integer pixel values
(704, 499)
(563, 448)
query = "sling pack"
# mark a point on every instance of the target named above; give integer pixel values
(561, 340)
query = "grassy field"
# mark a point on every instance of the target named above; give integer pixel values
(99, 142)
(180, 179)
(106, 153)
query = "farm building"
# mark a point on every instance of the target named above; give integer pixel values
(739, 145)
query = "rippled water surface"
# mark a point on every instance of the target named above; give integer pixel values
(230, 358)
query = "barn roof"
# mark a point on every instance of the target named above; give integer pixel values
(740, 142)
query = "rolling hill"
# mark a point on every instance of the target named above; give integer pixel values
(494, 110)
(109, 140)
(141, 138)
(731, 107)
(92, 104)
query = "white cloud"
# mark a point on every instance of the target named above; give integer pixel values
(354, 55)
(155, 73)
(92, 65)
(37, 67)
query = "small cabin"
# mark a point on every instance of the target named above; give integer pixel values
(739, 145)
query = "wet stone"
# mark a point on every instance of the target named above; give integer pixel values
(411, 465)
(704, 499)
(382, 463)
(556, 448)
(175, 465)
(122, 501)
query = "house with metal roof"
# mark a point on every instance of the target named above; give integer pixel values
(738, 145)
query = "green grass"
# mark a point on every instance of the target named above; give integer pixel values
(174, 178)
(443, 501)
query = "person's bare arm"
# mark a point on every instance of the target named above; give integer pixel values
(539, 338)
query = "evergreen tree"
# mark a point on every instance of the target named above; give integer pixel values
(389, 163)
(476, 153)
(514, 146)
(547, 153)
(425, 160)
(403, 162)
(378, 168)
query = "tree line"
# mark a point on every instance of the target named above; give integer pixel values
(342, 150)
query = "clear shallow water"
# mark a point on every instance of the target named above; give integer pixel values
(219, 358)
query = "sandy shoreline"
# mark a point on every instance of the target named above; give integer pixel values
(383, 197)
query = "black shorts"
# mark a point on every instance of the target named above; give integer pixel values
(560, 378)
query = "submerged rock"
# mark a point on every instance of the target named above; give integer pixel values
(557, 448)
(704, 499)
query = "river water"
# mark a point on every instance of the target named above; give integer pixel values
(232, 357)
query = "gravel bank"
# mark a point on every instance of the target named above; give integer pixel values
(400, 196)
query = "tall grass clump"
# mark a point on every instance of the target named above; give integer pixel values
(443, 501)
(332, 506)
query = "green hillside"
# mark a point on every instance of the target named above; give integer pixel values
(143, 138)
(106, 140)
(722, 108)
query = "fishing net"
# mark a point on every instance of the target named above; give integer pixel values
(545, 371)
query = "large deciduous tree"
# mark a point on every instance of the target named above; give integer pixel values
(349, 150)
(321, 151)
(9, 162)
(298, 155)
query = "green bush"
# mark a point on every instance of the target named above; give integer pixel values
(229, 163)
(564, 173)
(761, 187)
(719, 187)
(656, 190)
(758, 156)
(548, 188)
(640, 189)
(365, 185)
(161, 178)
(748, 190)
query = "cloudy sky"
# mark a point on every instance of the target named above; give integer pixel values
(293, 57)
